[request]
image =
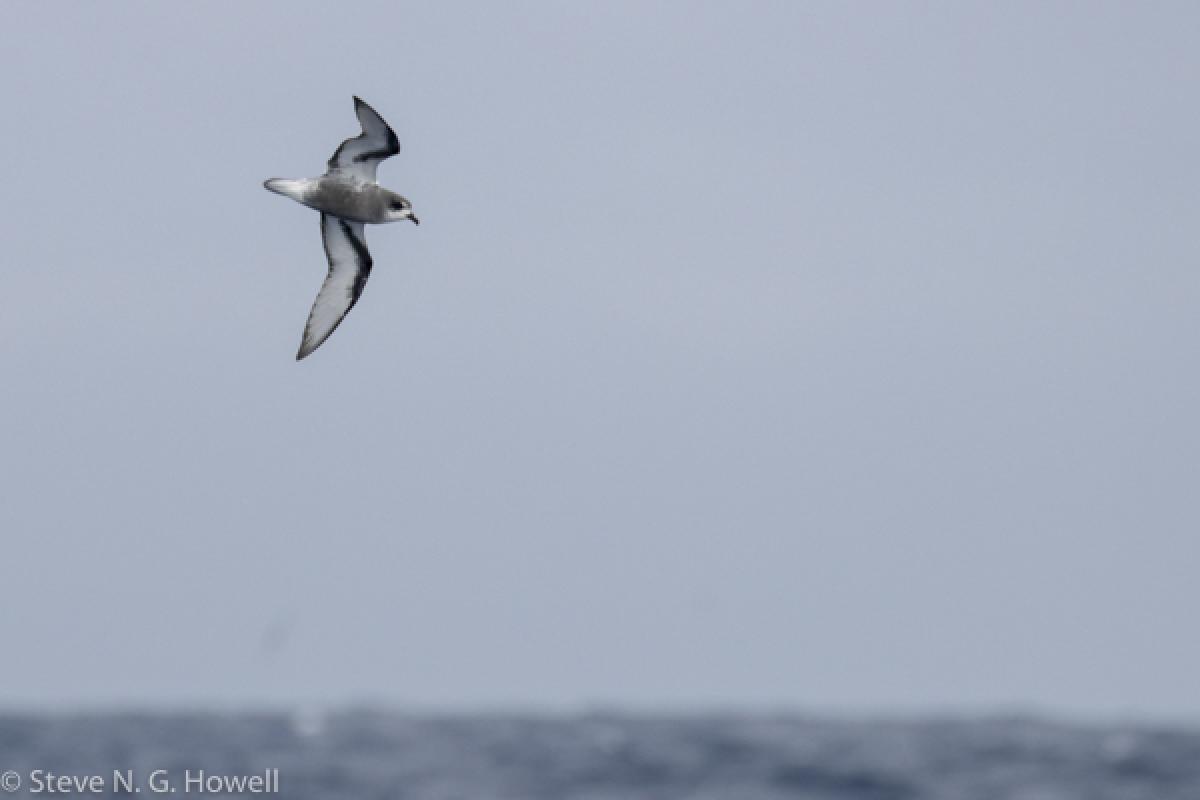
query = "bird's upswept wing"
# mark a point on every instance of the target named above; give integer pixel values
(360, 156)
(349, 267)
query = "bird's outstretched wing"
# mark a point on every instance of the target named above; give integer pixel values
(349, 266)
(361, 155)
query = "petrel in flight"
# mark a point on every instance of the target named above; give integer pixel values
(348, 198)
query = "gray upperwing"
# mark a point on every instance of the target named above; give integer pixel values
(361, 155)
(349, 267)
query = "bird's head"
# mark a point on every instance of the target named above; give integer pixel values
(399, 208)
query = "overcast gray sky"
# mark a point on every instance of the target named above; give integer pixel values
(819, 355)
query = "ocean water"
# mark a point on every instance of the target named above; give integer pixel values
(392, 756)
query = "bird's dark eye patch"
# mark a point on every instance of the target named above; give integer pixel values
(398, 206)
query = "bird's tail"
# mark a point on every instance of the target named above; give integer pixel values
(286, 187)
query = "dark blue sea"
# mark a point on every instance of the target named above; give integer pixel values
(394, 756)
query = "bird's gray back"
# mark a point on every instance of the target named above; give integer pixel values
(361, 202)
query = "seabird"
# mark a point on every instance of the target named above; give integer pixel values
(348, 198)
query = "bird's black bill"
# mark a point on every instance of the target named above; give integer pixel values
(413, 217)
